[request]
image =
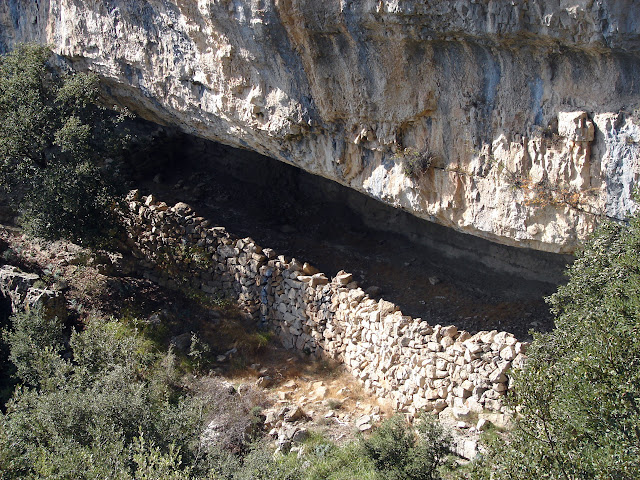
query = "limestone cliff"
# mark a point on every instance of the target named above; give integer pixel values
(527, 110)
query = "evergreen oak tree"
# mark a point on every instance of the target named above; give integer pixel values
(57, 147)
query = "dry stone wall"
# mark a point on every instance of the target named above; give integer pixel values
(414, 365)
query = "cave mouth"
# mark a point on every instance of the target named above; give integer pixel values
(430, 271)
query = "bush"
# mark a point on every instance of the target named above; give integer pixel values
(400, 453)
(57, 146)
(34, 342)
(100, 409)
(579, 393)
(261, 464)
(415, 163)
(341, 463)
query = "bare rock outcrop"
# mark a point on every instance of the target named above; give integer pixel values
(527, 112)
(23, 292)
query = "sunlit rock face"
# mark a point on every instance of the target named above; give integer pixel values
(528, 112)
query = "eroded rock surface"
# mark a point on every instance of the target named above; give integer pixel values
(21, 290)
(527, 110)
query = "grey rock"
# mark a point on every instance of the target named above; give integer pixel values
(182, 342)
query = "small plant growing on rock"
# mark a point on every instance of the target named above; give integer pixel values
(415, 163)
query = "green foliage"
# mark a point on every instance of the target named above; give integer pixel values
(400, 453)
(34, 342)
(100, 410)
(341, 463)
(57, 146)
(579, 394)
(198, 350)
(261, 464)
(152, 463)
(109, 409)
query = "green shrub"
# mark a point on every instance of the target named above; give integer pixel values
(579, 393)
(34, 342)
(346, 462)
(261, 464)
(57, 148)
(96, 409)
(400, 453)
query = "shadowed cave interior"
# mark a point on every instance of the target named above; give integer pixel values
(430, 271)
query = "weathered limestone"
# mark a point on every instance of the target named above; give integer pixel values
(18, 287)
(416, 366)
(528, 109)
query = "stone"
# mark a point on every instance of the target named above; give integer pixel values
(466, 448)
(364, 419)
(386, 308)
(483, 424)
(344, 278)
(307, 103)
(318, 279)
(271, 418)
(293, 414)
(308, 269)
(181, 208)
(450, 331)
(576, 126)
(264, 382)
(440, 404)
(182, 342)
(446, 342)
(290, 385)
(373, 291)
(461, 413)
(508, 353)
(365, 427)
(287, 432)
(320, 392)
(497, 377)
(283, 447)
(401, 359)
(300, 435)
(284, 395)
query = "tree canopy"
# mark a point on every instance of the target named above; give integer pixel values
(57, 147)
(578, 396)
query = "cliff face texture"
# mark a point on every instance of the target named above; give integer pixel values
(528, 112)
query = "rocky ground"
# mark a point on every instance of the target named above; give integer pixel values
(298, 396)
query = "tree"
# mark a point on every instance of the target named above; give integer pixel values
(106, 412)
(579, 393)
(57, 147)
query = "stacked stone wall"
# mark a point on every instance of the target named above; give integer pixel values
(414, 365)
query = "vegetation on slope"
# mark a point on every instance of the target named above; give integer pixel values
(105, 403)
(579, 395)
(58, 148)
